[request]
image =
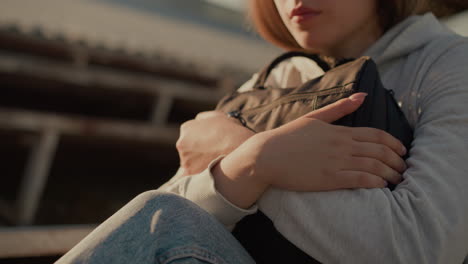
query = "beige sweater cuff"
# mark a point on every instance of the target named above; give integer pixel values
(200, 189)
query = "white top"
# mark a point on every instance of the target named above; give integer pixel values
(425, 219)
(458, 23)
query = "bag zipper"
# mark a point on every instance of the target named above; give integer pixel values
(283, 100)
(294, 97)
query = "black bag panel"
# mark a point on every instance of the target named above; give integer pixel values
(259, 237)
(380, 109)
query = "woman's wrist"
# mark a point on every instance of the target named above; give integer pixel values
(235, 177)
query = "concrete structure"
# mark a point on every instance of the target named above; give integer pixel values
(105, 23)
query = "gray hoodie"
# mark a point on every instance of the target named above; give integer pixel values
(425, 219)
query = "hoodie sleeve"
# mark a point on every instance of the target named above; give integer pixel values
(425, 219)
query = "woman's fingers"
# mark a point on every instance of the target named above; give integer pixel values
(379, 152)
(209, 114)
(372, 135)
(338, 109)
(373, 166)
(216, 115)
(359, 179)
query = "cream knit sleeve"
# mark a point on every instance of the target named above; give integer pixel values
(200, 189)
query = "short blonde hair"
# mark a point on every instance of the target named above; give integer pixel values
(267, 21)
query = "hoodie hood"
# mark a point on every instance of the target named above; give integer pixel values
(411, 34)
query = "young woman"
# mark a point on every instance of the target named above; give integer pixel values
(228, 173)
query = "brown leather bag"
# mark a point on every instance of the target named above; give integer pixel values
(265, 108)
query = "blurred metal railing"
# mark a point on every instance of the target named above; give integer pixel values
(170, 92)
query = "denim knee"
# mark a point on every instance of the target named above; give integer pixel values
(183, 230)
(162, 207)
(158, 197)
(164, 201)
(158, 227)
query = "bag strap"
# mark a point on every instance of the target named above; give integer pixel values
(260, 83)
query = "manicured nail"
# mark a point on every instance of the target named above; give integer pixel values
(403, 150)
(358, 97)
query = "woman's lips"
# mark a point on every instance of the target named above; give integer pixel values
(301, 14)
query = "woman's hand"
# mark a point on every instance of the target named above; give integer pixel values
(309, 154)
(205, 138)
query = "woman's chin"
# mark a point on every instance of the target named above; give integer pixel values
(313, 47)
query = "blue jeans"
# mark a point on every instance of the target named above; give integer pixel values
(161, 228)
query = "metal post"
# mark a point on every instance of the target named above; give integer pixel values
(162, 109)
(35, 176)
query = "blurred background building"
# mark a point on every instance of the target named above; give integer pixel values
(92, 95)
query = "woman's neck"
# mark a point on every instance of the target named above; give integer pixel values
(356, 43)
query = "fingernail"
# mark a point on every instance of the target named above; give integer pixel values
(358, 97)
(404, 150)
